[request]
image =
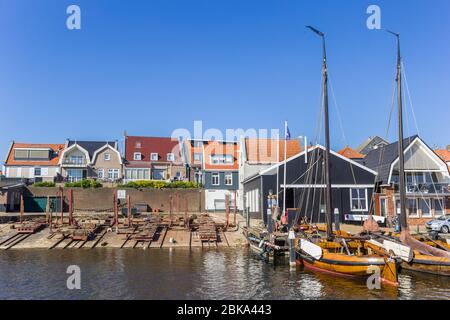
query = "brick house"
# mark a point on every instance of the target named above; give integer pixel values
(427, 181)
(100, 160)
(33, 161)
(153, 158)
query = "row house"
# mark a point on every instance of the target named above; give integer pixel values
(427, 181)
(153, 158)
(33, 161)
(100, 160)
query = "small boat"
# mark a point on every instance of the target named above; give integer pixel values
(340, 254)
(261, 243)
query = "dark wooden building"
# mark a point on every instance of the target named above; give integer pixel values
(352, 187)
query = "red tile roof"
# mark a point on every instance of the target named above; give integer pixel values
(57, 148)
(265, 150)
(221, 148)
(350, 153)
(148, 145)
(444, 155)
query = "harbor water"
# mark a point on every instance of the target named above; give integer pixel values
(186, 274)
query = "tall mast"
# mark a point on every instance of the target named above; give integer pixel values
(327, 137)
(401, 157)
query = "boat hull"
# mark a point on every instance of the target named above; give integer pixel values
(428, 264)
(346, 266)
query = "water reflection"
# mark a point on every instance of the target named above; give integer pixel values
(187, 274)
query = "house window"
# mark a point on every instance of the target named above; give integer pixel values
(198, 157)
(170, 157)
(411, 207)
(221, 159)
(76, 159)
(425, 207)
(358, 199)
(158, 174)
(137, 156)
(215, 179)
(107, 157)
(37, 172)
(438, 207)
(100, 173)
(228, 179)
(137, 174)
(198, 144)
(113, 174)
(154, 156)
(383, 211)
(137, 145)
(74, 175)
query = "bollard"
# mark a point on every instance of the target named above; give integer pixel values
(292, 264)
(336, 219)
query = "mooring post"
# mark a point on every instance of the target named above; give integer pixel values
(186, 221)
(235, 207)
(227, 210)
(70, 207)
(170, 210)
(21, 208)
(47, 210)
(129, 210)
(61, 204)
(116, 213)
(291, 237)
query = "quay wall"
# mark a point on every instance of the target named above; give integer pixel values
(101, 199)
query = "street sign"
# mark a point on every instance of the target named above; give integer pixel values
(121, 194)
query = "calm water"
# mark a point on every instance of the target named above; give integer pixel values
(184, 274)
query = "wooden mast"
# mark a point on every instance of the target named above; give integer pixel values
(401, 158)
(329, 214)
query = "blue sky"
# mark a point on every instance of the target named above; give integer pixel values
(150, 67)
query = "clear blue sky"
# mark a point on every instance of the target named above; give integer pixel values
(149, 67)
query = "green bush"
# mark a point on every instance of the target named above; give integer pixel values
(158, 184)
(46, 184)
(85, 184)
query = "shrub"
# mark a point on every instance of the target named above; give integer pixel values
(158, 184)
(46, 184)
(85, 184)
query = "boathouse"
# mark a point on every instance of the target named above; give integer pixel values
(352, 187)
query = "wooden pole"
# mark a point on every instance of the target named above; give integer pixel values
(170, 211)
(129, 210)
(227, 210)
(116, 213)
(47, 210)
(61, 191)
(70, 207)
(186, 221)
(235, 207)
(21, 208)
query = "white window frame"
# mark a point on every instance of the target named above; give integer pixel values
(40, 172)
(365, 200)
(441, 200)
(101, 173)
(428, 200)
(113, 174)
(213, 175)
(152, 156)
(137, 156)
(416, 215)
(170, 157)
(230, 175)
(221, 159)
(107, 156)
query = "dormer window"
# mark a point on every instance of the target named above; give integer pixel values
(137, 156)
(170, 157)
(222, 159)
(154, 156)
(107, 157)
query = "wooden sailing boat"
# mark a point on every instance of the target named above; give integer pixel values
(422, 256)
(348, 257)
